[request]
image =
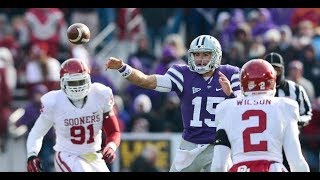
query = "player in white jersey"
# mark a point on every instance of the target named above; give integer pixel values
(254, 128)
(79, 112)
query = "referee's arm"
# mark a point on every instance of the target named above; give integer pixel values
(305, 109)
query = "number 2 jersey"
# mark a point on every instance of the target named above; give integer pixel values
(258, 127)
(199, 98)
(78, 130)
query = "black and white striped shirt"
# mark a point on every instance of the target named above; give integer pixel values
(296, 92)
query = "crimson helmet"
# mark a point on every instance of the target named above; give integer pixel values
(75, 78)
(257, 76)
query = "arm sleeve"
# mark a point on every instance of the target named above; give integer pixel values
(108, 99)
(6, 95)
(112, 130)
(35, 137)
(305, 109)
(163, 83)
(235, 80)
(221, 154)
(110, 124)
(172, 80)
(292, 146)
(42, 125)
(221, 161)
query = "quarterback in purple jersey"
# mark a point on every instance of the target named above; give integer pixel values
(200, 85)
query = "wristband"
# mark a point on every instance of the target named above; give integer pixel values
(232, 95)
(31, 158)
(32, 154)
(125, 70)
(112, 145)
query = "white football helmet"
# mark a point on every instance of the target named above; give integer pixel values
(205, 43)
(75, 78)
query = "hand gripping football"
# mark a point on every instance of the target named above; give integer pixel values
(78, 33)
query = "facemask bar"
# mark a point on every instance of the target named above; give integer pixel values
(211, 65)
(205, 43)
(76, 92)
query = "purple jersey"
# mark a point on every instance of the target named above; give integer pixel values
(199, 98)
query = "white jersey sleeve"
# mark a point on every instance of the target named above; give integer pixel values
(105, 93)
(221, 110)
(41, 126)
(163, 83)
(222, 154)
(291, 144)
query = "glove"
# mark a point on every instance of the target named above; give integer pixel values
(108, 154)
(34, 164)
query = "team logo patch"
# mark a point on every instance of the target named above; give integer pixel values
(195, 90)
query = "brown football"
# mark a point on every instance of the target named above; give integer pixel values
(78, 33)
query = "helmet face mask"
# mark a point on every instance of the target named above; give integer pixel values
(205, 43)
(75, 79)
(258, 77)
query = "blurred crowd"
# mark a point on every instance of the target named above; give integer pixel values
(33, 44)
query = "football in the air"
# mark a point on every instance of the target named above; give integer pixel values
(78, 33)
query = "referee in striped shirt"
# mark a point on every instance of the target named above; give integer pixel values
(290, 89)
